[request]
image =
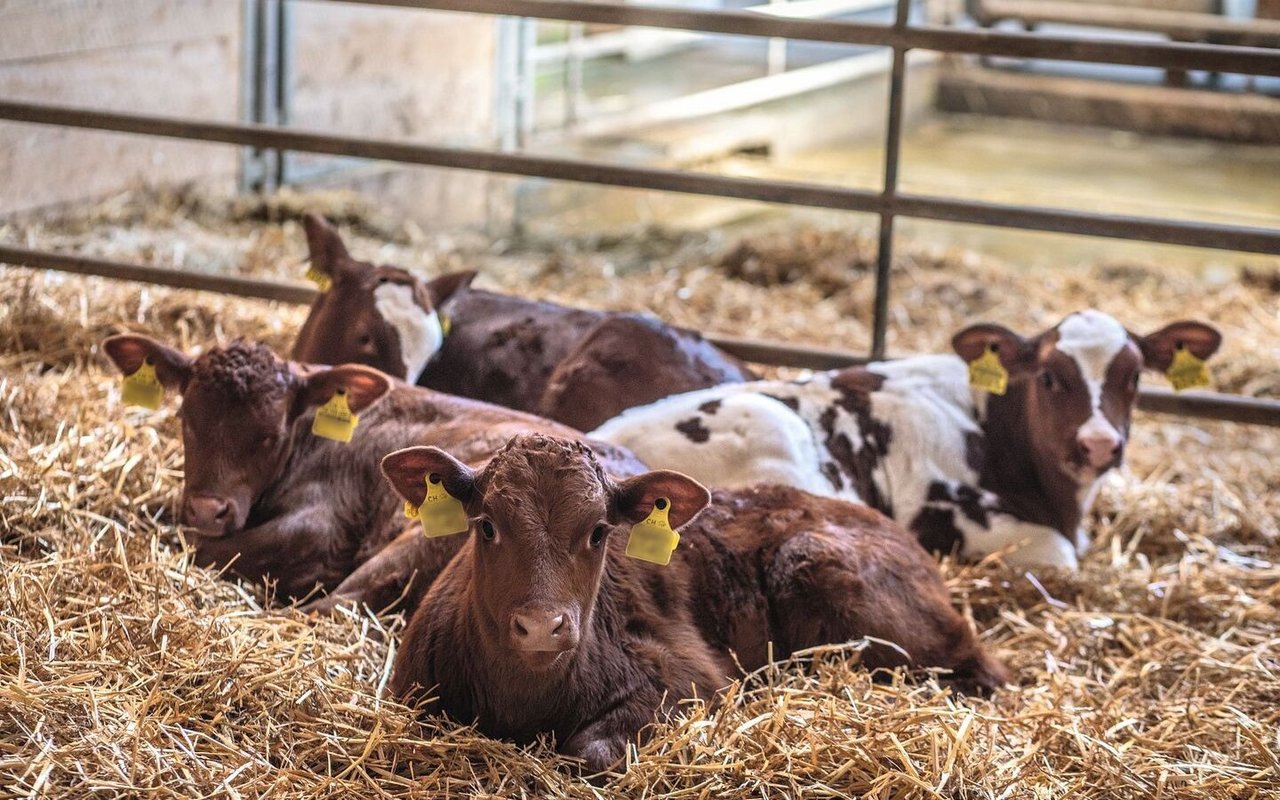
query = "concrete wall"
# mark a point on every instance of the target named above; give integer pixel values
(359, 70)
(179, 57)
(404, 74)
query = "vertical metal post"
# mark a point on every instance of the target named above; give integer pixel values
(284, 82)
(573, 95)
(250, 58)
(777, 55)
(888, 195)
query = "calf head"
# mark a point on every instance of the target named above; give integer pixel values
(239, 403)
(382, 316)
(542, 512)
(1077, 382)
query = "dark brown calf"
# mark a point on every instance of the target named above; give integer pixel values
(264, 495)
(574, 366)
(542, 623)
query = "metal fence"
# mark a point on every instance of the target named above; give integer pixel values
(889, 203)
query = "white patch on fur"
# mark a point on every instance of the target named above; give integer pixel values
(1093, 339)
(419, 330)
(1032, 545)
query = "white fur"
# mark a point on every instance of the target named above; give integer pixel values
(1093, 339)
(419, 330)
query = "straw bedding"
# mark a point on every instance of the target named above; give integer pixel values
(1153, 672)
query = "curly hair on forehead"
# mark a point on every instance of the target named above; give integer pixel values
(241, 370)
(536, 454)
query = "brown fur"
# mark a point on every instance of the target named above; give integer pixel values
(574, 366)
(766, 564)
(265, 496)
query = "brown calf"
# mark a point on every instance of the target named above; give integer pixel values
(574, 366)
(264, 495)
(542, 623)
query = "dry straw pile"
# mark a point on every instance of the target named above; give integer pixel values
(1154, 672)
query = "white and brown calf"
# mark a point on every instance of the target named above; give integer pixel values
(968, 471)
(575, 366)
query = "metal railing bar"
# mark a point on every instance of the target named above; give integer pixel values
(1206, 405)
(892, 155)
(1169, 55)
(161, 276)
(1196, 234)
(1114, 226)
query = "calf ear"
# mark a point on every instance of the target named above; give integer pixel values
(129, 351)
(633, 498)
(363, 385)
(1018, 355)
(1158, 348)
(409, 469)
(326, 250)
(442, 287)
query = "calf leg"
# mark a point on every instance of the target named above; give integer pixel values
(396, 577)
(832, 586)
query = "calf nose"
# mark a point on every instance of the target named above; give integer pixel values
(212, 516)
(1100, 448)
(542, 630)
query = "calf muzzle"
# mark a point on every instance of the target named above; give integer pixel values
(537, 630)
(209, 514)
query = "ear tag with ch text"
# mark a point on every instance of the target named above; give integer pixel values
(1186, 371)
(335, 420)
(441, 513)
(322, 281)
(142, 387)
(987, 373)
(652, 539)
(446, 323)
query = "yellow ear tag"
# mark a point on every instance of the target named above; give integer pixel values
(1186, 371)
(441, 513)
(987, 373)
(446, 324)
(334, 420)
(142, 388)
(322, 281)
(652, 539)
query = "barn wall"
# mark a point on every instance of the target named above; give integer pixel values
(363, 71)
(174, 57)
(405, 74)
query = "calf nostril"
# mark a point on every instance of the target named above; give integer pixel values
(520, 630)
(222, 512)
(557, 625)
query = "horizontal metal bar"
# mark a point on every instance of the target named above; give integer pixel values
(535, 166)
(1206, 405)
(985, 41)
(178, 278)
(1115, 226)
(1196, 234)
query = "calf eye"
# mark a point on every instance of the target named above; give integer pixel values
(597, 535)
(1046, 378)
(487, 531)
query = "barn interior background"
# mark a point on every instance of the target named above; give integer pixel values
(1153, 671)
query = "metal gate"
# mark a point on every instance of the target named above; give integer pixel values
(269, 133)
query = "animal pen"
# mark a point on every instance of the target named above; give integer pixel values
(902, 37)
(1187, 662)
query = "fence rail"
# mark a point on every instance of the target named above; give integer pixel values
(901, 36)
(1207, 405)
